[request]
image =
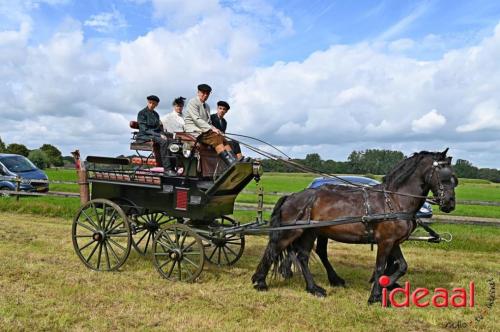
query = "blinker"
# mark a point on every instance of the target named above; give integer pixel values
(445, 174)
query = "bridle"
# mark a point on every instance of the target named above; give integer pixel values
(441, 171)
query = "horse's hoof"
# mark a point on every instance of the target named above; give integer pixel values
(317, 291)
(375, 299)
(260, 286)
(339, 282)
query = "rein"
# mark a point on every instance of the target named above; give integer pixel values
(436, 164)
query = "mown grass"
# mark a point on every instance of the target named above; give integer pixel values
(44, 286)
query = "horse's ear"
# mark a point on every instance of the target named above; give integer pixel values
(444, 152)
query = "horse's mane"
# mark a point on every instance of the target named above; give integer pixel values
(404, 169)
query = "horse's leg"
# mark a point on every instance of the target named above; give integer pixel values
(303, 246)
(274, 248)
(390, 268)
(321, 250)
(401, 269)
(383, 251)
(285, 268)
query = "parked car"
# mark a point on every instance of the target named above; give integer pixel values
(13, 166)
(424, 212)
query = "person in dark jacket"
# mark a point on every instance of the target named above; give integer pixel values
(220, 123)
(151, 128)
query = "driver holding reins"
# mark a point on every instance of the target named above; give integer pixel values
(197, 122)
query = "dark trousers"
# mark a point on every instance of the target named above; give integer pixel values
(168, 160)
(235, 146)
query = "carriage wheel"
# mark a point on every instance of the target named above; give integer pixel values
(178, 253)
(101, 235)
(225, 249)
(144, 229)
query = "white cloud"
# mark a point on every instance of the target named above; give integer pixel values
(107, 22)
(486, 115)
(428, 123)
(72, 91)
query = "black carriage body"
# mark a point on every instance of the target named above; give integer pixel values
(180, 197)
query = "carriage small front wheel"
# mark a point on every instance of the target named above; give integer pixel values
(178, 253)
(101, 235)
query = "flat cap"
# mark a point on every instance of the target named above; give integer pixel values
(204, 88)
(223, 104)
(153, 98)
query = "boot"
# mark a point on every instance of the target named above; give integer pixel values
(228, 158)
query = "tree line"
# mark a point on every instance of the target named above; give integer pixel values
(45, 156)
(375, 161)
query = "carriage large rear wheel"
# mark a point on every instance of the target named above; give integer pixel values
(224, 249)
(101, 235)
(178, 253)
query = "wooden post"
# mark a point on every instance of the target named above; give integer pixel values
(82, 178)
(18, 187)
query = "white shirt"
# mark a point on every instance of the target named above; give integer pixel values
(173, 122)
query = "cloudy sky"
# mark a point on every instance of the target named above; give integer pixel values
(310, 76)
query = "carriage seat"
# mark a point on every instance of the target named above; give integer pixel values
(142, 146)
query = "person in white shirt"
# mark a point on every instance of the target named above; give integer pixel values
(174, 121)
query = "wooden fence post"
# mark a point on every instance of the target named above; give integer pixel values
(82, 178)
(18, 187)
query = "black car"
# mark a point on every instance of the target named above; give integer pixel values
(424, 212)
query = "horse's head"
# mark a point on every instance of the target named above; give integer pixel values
(441, 180)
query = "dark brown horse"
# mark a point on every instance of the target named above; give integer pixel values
(401, 194)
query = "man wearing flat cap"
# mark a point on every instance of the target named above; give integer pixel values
(220, 123)
(151, 128)
(197, 122)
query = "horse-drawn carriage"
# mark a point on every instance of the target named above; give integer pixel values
(184, 220)
(180, 219)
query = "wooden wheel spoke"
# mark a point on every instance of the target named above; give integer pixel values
(225, 255)
(212, 255)
(86, 227)
(231, 250)
(113, 252)
(99, 254)
(112, 220)
(142, 238)
(89, 220)
(189, 245)
(88, 244)
(191, 262)
(166, 262)
(96, 214)
(92, 253)
(171, 269)
(107, 255)
(147, 242)
(117, 244)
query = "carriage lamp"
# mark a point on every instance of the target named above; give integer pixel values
(174, 148)
(257, 170)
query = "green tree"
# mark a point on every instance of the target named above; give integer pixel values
(374, 161)
(3, 148)
(18, 149)
(39, 158)
(313, 160)
(465, 169)
(55, 156)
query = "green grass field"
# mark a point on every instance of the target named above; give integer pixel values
(44, 286)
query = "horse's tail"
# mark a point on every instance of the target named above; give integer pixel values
(275, 221)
